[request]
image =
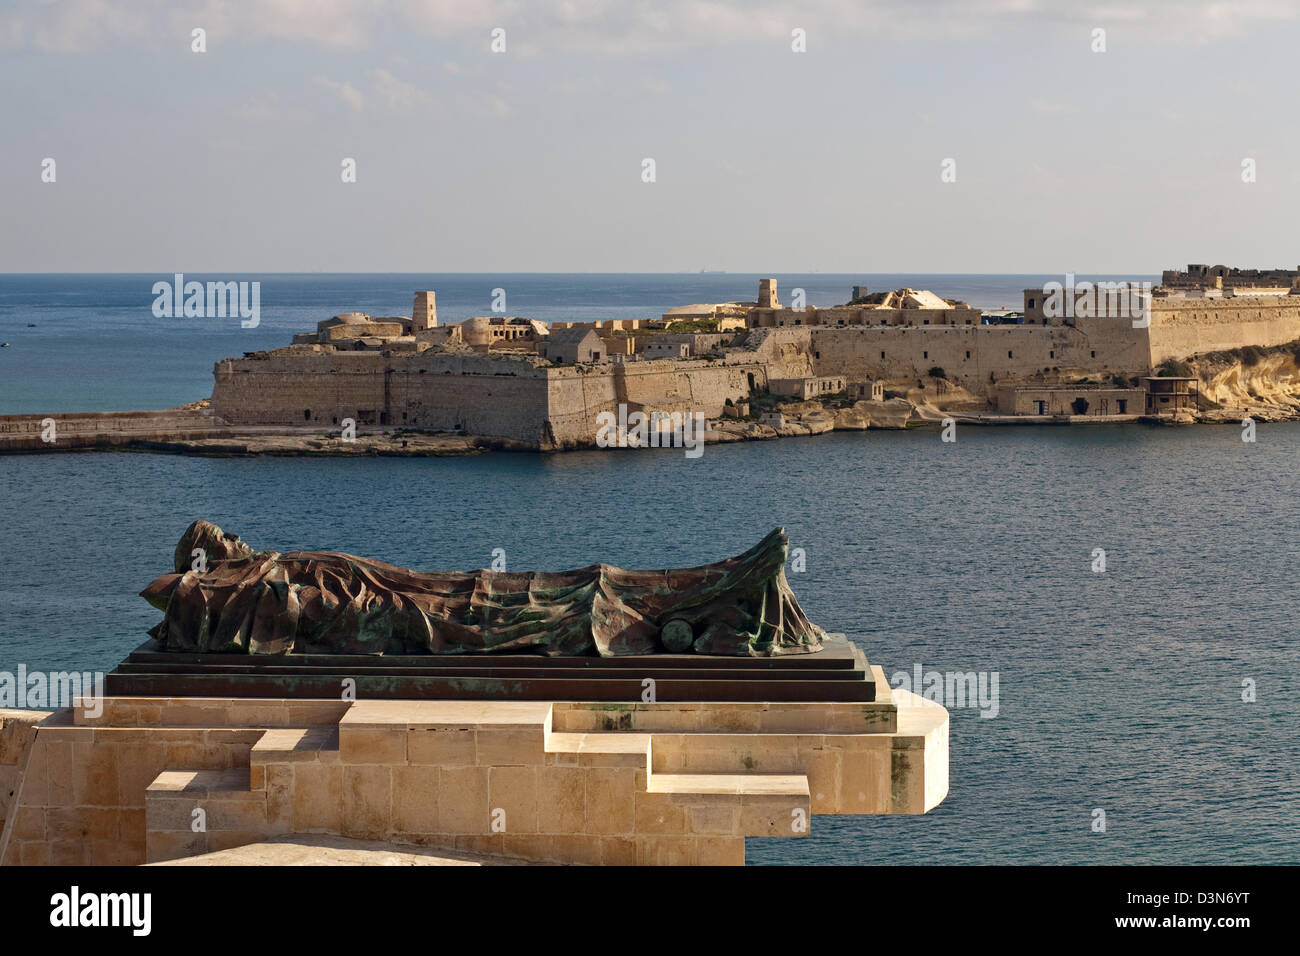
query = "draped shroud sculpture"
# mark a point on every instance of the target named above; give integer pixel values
(323, 602)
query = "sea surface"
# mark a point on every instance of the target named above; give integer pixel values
(1119, 690)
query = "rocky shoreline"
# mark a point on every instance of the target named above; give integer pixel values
(192, 431)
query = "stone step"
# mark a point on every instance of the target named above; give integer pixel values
(740, 784)
(759, 805)
(188, 812)
(293, 744)
(276, 748)
(191, 784)
(603, 750)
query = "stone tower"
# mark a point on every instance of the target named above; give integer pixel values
(424, 314)
(767, 294)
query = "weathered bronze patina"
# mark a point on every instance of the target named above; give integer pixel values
(312, 602)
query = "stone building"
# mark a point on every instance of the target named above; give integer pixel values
(1079, 399)
(424, 315)
(902, 307)
(1226, 279)
(573, 347)
(348, 328)
(1168, 395)
(656, 348)
(484, 332)
(807, 388)
(866, 391)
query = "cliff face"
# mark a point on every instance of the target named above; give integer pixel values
(1269, 383)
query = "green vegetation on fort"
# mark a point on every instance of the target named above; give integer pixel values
(873, 298)
(694, 325)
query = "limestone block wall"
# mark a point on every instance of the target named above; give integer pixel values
(82, 798)
(17, 730)
(576, 397)
(154, 779)
(682, 783)
(976, 356)
(296, 387)
(508, 401)
(86, 429)
(1181, 327)
(475, 393)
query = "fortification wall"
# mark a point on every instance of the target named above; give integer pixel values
(79, 430)
(578, 396)
(1181, 327)
(17, 730)
(978, 356)
(475, 393)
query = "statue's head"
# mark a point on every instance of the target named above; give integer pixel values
(216, 545)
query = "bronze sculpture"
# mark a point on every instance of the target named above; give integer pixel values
(226, 597)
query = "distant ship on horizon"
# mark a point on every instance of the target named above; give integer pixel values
(713, 272)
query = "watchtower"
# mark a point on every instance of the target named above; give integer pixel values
(424, 314)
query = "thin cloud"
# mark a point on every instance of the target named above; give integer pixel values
(395, 93)
(345, 91)
(604, 28)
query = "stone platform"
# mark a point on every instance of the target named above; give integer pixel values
(838, 672)
(153, 779)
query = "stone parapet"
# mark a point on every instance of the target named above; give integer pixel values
(159, 779)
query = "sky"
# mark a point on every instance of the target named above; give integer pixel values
(907, 136)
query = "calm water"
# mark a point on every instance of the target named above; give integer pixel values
(1119, 691)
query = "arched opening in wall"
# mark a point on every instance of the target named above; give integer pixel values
(1080, 405)
(751, 381)
(306, 414)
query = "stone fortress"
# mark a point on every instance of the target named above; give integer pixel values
(518, 381)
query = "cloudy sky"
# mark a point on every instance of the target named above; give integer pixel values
(765, 159)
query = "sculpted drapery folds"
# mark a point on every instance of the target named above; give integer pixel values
(320, 602)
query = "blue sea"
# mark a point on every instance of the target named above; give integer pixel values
(1120, 690)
